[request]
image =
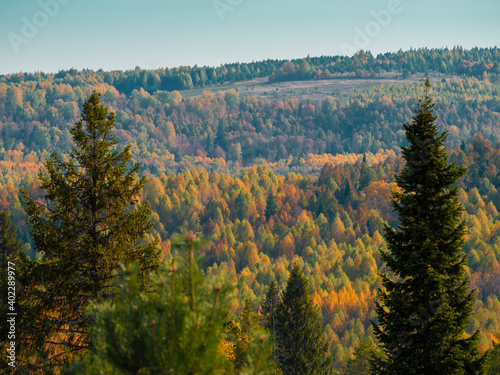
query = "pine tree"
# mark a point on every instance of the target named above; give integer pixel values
(360, 363)
(268, 313)
(10, 249)
(425, 306)
(271, 205)
(302, 348)
(9, 244)
(177, 328)
(494, 360)
(242, 333)
(89, 223)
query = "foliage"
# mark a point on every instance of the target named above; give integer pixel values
(268, 313)
(331, 205)
(425, 307)
(9, 244)
(10, 247)
(177, 327)
(244, 334)
(224, 130)
(494, 360)
(473, 62)
(301, 346)
(360, 363)
(86, 224)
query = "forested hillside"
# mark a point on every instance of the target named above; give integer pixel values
(273, 183)
(477, 62)
(163, 128)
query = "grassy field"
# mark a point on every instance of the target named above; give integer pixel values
(313, 89)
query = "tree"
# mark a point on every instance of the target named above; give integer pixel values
(158, 332)
(360, 363)
(268, 313)
(494, 360)
(241, 333)
(242, 205)
(302, 348)
(9, 244)
(89, 222)
(271, 205)
(10, 248)
(425, 307)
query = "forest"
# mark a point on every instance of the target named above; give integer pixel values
(476, 62)
(280, 189)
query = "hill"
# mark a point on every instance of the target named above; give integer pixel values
(328, 147)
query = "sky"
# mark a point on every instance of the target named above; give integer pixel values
(51, 35)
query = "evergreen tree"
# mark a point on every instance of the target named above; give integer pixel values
(9, 244)
(271, 205)
(268, 313)
(10, 249)
(494, 360)
(360, 363)
(88, 224)
(302, 348)
(242, 334)
(425, 307)
(177, 328)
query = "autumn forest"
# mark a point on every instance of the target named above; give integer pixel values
(258, 192)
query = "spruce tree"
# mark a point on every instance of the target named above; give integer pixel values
(89, 222)
(10, 250)
(425, 305)
(9, 244)
(302, 347)
(243, 333)
(248, 323)
(268, 313)
(360, 364)
(271, 205)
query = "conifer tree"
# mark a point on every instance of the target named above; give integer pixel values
(268, 313)
(176, 328)
(425, 306)
(248, 322)
(302, 347)
(10, 249)
(89, 222)
(244, 332)
(360, 364)
(9, 244)
(494, 360)
(271, 205)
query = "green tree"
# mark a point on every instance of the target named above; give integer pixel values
(242, 205)
(360, 363)
(302, 347)
(10, 248)
(268, 313)
(425, 307)
(177, 328)
(9, 244)
(89, 223)
(241, 333)
(271, 205)
(494, 360)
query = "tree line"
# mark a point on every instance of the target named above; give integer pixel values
(475, 62)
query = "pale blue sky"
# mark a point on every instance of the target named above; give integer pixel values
(112, 34)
